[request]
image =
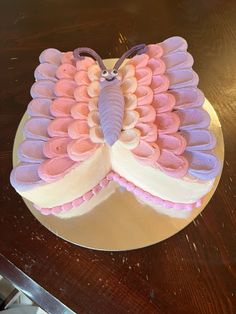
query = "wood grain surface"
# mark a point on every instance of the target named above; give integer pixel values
(192, 272)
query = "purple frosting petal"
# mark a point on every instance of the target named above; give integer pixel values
(36, 128)
(189, 97)
(174, 43)
(31, 151)
(51, 55)
(182, 78)
(43, 89)
(193, 119)
(25, 176)
(40, 107)
(178, 60)
(199, 140)
(46, 71)
(203, 165)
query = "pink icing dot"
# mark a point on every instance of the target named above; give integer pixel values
(78, 202)
(160, 202)
(110, 176)
(153, 199)
(66, 207)
(168, 204)
(96, 189)
(56, 209)
(87, 196)
(188, 207)
(137, 192)
(104, 182)
(199, 203)
(178, 206)
(122, 181)
(116, 177)
(45, 211)
(130, 186)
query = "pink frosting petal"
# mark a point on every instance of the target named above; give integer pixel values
(174, 44)
(154, 51)
(146, 113)
(65, 88)
(143, 76)
(129, 85)
(188, 97)
(163, 102)
(53, 169)
(40, 107)
(174, 143)
(59, 127)
(51, 55)
(84, 63)
(36, 128)
(139, 61)
(94, 89)
(46, 71)
(43, 89)
(78, 129)
(167, 122)
(144, 95)
(68, 57)
(81, 94)
(203, 165)
(157, 66)
(182, 78)
(160, 83)
(195, 118)
(93, 118)
(175, 166)
(24, 176)
(178, 60)
(127, 71)
(81, 78)
(94, 72)
(31, 151)
(56, 147)
(66, 71)
(130, 119)
(93, 103)
(130, 101)
(61, 107)
(146, 153)
(199, 140)
(80, 111)
(148, 131)
(81, 149)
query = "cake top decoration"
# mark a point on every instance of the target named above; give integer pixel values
(151, 106)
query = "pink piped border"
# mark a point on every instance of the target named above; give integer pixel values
(112, 176)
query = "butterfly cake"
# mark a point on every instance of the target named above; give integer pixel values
(139, 125)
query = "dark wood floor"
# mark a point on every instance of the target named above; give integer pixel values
(192, 272)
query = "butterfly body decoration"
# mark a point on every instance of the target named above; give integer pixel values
(151, 106)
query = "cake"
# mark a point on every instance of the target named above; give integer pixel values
(140, 125)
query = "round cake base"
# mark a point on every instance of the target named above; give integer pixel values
(121, 222)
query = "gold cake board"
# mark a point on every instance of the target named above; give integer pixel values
(121, 222)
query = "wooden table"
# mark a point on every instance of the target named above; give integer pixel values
(192, 272)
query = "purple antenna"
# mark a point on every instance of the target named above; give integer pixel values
(77, 54)
(130, 52)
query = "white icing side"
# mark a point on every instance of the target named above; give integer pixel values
(155, 181)
(77, 182)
